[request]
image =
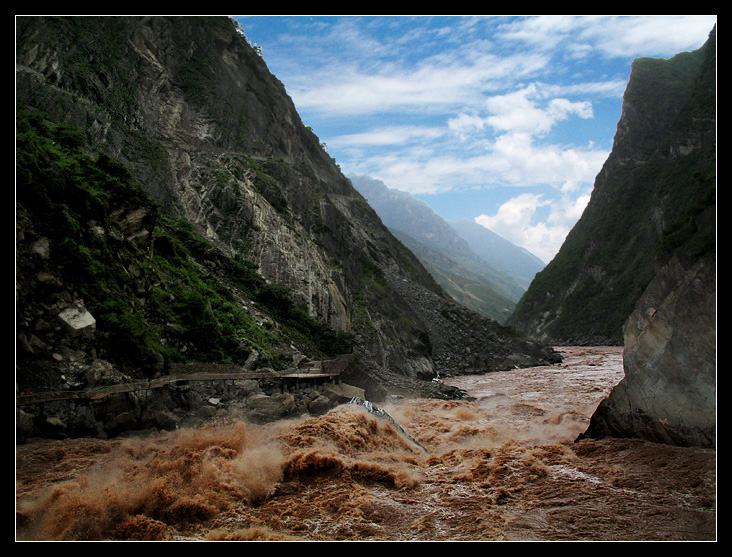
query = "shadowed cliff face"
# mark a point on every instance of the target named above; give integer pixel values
(668, 394)
(191, 110)
(662, 164)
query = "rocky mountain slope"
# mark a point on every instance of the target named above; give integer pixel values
(662, 167)
(465, 285)
(669, 392)
(499, 253)
(172, 205)
(467, 276)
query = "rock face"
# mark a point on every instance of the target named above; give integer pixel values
(175, 406)
(245, 241)
(662, 164)
(644, 255)
(668, 394)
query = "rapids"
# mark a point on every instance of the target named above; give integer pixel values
(500, 465)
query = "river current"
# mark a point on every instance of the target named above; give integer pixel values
(501, 465)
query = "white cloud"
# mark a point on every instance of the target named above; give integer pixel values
(520, 112)
(394, 135)
(465, 153)
(454, 103)
(442, 82)
(516, 220)
(512, 160)
(466, 124)
(515, 214)
(613, 88)
(647, 36)
(525, 164)
(621, 36)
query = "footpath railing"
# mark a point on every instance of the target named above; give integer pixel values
(180, 373)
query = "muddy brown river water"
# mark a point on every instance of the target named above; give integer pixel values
(501, 465)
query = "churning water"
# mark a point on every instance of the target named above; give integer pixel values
(501, 465)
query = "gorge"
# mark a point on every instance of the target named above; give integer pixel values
(173, 210)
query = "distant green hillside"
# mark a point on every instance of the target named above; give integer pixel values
(471, 289)
(488, 282)
(504, 256)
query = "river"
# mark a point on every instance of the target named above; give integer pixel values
(501, 465)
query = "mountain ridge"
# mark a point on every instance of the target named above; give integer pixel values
(501, 287)
(663, 163)
(500, 253)
(249, 233)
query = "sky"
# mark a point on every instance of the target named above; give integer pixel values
(502, 120)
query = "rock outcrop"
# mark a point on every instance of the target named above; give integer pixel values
(644, 255)
(175, 406)
(668, 394)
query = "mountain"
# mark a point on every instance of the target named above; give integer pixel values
(171, 207)
(661, 171)
(669, 391)
(469, 288)
(464, 274)
(499, 253)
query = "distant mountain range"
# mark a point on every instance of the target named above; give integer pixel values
(499, 253)
(477, 267)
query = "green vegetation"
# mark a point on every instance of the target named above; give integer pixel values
(663, 173)
(197, 78)
(218, 308)
(93, 71)
(682, 231)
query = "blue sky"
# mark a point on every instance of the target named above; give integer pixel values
(502, 120)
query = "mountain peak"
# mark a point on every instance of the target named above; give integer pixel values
(255, 243)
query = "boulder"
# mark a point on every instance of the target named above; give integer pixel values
(83, 423)
(101, 372)
(78, 320)
(124, 421)
(53, 426)
(207, 412)
(247, 386)
(668, 394)
(321, 405)
(41, 248)
(24, 426)
(265, 408)
(342, 392)
(166, 420)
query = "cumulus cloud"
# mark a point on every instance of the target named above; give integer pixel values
(516, 220)
(520, 111)
(439, 104)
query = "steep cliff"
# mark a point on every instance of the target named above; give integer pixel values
(668, 394)
(662, 163)
(669, 391)
(168, 191)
